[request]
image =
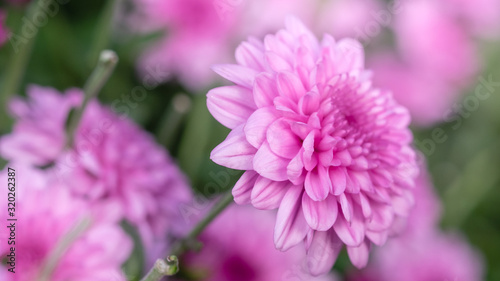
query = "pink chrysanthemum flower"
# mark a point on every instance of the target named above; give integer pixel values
(46, 214)
(317, 141)
(113, 164)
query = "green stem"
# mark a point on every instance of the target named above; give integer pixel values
(23, 47)
(183, 245)
(96, 81)
(172, 118)
(61, 248)
(163, 268)
(102, 31)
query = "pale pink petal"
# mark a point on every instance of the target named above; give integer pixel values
(237, 74)
(269, 165)
(320, 215)
(230, 105)
(351, 234)
(282, 140)
(267, 194)
(257, 124)
(265, 90)
(243, 187)
(234, 152)
(359, 255)
(323, 252)
(317, 185)
(291, 226)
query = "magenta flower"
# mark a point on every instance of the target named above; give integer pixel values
(238, 246)
(316, 141)
(438, 257)
(114, 164)
(46, 213)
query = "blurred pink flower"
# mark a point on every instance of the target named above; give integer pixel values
(437, 59)
(426, 95)
(4, 32)
(114, 164)
(434, 257)
(481, 17)
(431, 39)
(317, 141)
(46, 212)
(350, 18)
(200, 33)
(238, 246)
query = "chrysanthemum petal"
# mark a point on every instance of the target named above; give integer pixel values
(234, 152)
(323, 252)
(291, 226)
(270, 165)
(230, 105)
(317, 185)
(320, 215)
(359, 255)
(282, 140)
(257, 124)
(351, 234)
(243, 187)
(267, 194)
(240, 75)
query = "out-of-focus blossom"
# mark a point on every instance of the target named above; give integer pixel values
(113, 164)
(200, 33)
(436, 60)
(46, 215)
(351, 18)
(3, 29)
(426, 95)
(431, 40)
(317, 142)
(238, 246)
(435, 257)
(481, 17)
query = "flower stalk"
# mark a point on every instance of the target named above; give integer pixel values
(67, 240)
(159, 270)
(105, 66)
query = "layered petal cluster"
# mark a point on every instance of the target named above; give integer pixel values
(47, 216)
(244, 251)
(113, 163)
(317, 142)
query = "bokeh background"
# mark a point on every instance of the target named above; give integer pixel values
(464, 167)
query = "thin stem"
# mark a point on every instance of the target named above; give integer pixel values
(172, 119)
(163, 268)
(23, 47)
(102, 31)
(178, 249)
(183, 244)
(61, 248)
(99, 77)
